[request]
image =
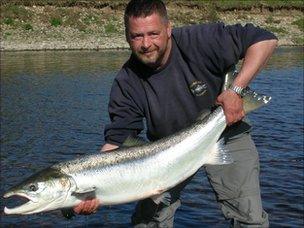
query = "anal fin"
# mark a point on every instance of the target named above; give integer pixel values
(164, 198)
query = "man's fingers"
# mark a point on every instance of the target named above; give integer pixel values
(234, 117)
(87, 207)
(232, 105)
(77, 209)
(91, 206)
(94, 205)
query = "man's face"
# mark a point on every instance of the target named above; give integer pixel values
(150, 39)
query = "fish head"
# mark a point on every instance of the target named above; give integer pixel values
(47, 190)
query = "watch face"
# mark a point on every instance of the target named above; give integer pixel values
(244, 91)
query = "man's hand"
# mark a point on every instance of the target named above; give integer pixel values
(232, 105)
(87, 207)
(90, 206)
(255, 58)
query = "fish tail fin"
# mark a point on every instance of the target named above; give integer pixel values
(251, 99)
(220, 154)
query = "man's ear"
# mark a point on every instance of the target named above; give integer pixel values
(169, 29)
(127, 35)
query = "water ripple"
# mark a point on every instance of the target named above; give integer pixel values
(54, 108)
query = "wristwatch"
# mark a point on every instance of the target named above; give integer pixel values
(237, 89)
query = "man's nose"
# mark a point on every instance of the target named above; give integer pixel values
(146, 42)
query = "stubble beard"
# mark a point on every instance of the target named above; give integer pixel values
(153, 61)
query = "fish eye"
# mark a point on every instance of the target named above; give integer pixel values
(33, 187)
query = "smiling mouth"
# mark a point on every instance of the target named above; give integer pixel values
(147, 52)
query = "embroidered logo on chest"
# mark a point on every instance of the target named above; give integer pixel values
(198, 88)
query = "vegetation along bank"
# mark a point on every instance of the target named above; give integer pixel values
(89, 24)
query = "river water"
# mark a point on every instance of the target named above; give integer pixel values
(54, 108)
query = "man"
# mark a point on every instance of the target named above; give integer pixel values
(156, 83)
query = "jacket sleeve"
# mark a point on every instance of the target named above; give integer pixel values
(125, 113)
(221, 46)
(240, 38)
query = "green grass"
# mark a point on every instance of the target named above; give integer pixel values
(15, 12)
(28, 27)
(6, 34)
(67, 3)
(230, 5)
(74, 19)
(110, 28)
(298, 40)
(271, 20)
(276, 30)
(8, 21)
(220, 4)
(299, 23)
(55, 22)
(90, 19)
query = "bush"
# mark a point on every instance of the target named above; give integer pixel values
(56, 22)
(28, 26)
(299, 23)
(8, 21)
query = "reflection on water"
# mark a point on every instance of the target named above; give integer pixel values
(74, 62)
(287, 57)
(62, 62)
(54, 107)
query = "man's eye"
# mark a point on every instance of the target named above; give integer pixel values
(154, 35)
(136, 37)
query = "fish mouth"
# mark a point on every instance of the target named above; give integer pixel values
(31, 206)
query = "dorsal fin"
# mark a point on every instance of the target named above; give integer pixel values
(229, 77)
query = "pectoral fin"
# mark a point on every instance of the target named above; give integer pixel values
(82, 192)
(131, 141)
(85, 190)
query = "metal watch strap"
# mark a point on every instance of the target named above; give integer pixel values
(237, 89)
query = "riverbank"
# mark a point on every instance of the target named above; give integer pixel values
(61, 27)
